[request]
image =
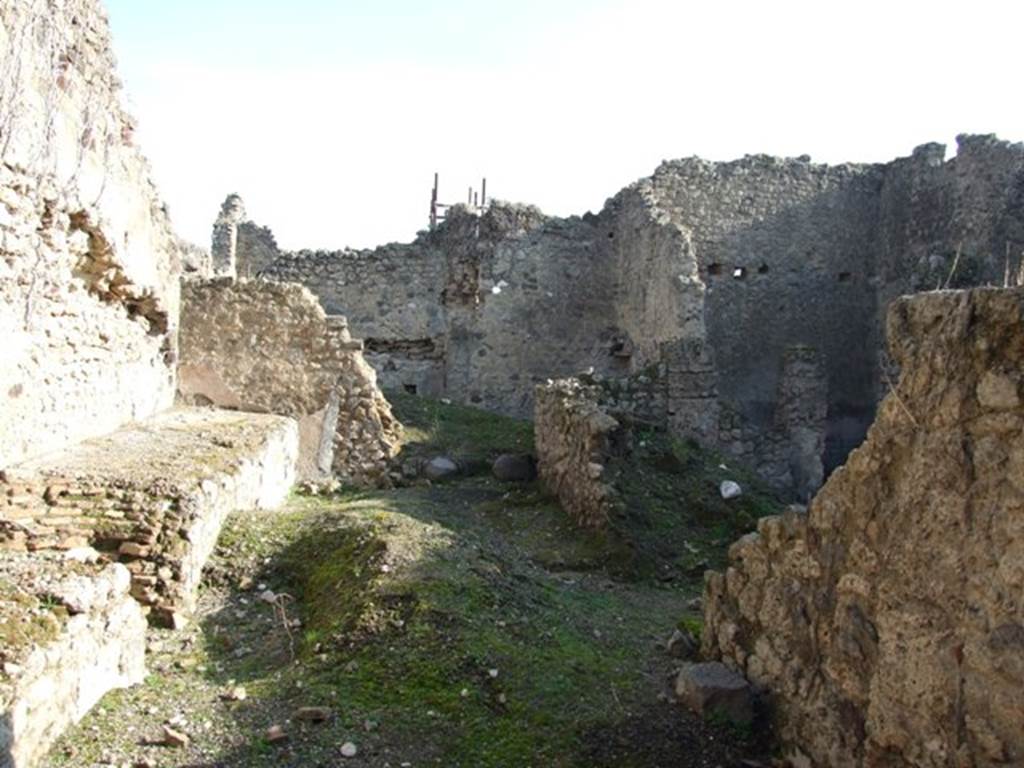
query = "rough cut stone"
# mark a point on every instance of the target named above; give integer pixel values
(268, 347)
(576, 440)
(730, 489)
(713, 690)
(681, 644)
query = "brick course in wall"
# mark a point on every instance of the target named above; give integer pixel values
(153, 496)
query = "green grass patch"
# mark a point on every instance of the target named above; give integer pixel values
(433, 427)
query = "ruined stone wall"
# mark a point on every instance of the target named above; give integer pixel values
(257, 250)
(576, 441)
(932, 209)
(88, 264)
(481, 309)
(786, 249)
(269, 347)
(392, 299)
(544, 310)
(709, 273)
(887, 622)
(659, 294)
(95, 640)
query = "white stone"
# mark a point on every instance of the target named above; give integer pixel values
(730, 489)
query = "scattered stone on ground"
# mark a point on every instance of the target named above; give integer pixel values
(515, 467)
(275, 734)
(175, 738)
(313, 714)
(440, 467)
(730, 489)
(682, 644)
(712, 689)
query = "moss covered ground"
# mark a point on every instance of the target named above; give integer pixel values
(467, 623)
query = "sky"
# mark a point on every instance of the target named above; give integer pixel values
(330, 117)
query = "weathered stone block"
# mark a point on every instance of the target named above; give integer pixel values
(713, 690)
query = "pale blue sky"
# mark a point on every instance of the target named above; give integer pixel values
(329, 118)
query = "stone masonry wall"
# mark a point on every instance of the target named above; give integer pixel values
(786, 250)
(268, 347)
(887, 623)
(576, 441)
(481, 309)
(392, 297)
(88, 263)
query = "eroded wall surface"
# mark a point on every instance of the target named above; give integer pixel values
(257, 345)
(888, 621)
(576, 440)
(88, 263)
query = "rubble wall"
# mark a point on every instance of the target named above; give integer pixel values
(482, 309)
(708, 271)
(542, 309)
(577, 443)
(887, 622)
(88, 263)
(392, 298)
(257, 345)
(786, 249)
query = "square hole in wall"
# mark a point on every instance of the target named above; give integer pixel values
(714, 269)
(845, 277)
(410, 389)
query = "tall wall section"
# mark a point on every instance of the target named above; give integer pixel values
(887, 623)
(786, 249)
(88, 263)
